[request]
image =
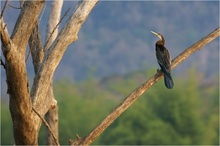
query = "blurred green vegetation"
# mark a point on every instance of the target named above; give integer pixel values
(187, 114)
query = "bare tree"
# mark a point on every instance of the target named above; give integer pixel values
(29, 107)
(52, 32)
(26, 123)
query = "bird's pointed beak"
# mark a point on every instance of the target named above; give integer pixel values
(158, 35)
(154, 33)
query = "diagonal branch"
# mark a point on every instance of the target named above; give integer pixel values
(5, 37)
(36, 47)
(48, 127)
(37, 53)
(2, 63)
(55, 52)
(197, 46)
(25, 23)
(3, 10)
(133, 96)
(16, 74)
(49, 39)
(52, 32)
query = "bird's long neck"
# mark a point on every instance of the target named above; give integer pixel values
(161, 41)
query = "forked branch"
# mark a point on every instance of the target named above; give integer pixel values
(56, 50)
(48, 126)
(133, 96)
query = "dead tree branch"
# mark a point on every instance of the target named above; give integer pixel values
(3, 10)
(36, 48)
(23, 27)
(14, 7)
(55, 52)
(53, 55)
(29, 52)
(51, 33)
(133, 96)
(26, 123)
(17, 81)
(2, 63)
(48, 126)
(5, 37)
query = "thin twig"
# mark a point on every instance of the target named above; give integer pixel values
(2, 63)
(22, 3)
(47, 125)
(42, 13)
(55, 29)
(14, 7)
(3, 10)
(29, 52)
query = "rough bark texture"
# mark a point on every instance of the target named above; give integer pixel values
(133, 96)
(25, 23)
(54, 54)
(26, 123)
(52, 119)
(18, 88)
(36, 47)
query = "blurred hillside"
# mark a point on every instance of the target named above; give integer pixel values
(114, 54)
(116, 38)
(185, 115)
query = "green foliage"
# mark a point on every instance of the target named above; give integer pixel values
(164, 116)
(188, 114)
(6, 126)
(81, 107)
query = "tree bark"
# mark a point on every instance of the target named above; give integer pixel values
(54, 54)
(26, 123)
(36, 48)
(52, 114)
(133, 96)
(18, 88)
(52, 119)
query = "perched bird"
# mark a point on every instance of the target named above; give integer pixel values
(164, 60)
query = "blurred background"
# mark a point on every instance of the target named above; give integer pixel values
(114, 54)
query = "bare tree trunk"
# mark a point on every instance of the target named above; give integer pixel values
(28, 107)
(24, 128)
(52, 31)
(52, 119)
(54, 18)
(54, 54)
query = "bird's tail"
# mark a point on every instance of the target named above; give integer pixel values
(168, 81)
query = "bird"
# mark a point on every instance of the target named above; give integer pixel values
(164, 60)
